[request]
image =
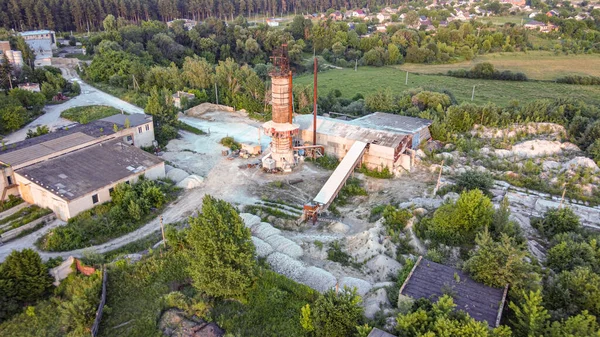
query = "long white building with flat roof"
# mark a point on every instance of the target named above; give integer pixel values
(42, 42)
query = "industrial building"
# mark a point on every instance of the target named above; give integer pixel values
(74, 169)
(390, 138)
(15, 57)
(42, 42)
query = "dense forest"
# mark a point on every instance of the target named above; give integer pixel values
(66, 15)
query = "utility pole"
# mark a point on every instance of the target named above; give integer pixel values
(406, 81)
(216, 93)
(356, 65)
(437, 186)
(563, 196)
(162, 229)
(10, 81)
(473, 94)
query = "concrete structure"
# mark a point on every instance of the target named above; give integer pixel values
(390, 137)
(42, 42)
(82, 179)
(280, 128)
(73, 169)
(33, 87)
(179, 95)
(187, 23)
(273, 22)
(15, 57)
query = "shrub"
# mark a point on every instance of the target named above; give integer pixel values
(337, 314)
(457, 223)
(384, 173)
(559, 220)
(472, 180)
(325, 161)
(486, 71)
(231, 143)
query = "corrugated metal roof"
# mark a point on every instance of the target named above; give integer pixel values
(432, 280)
(36, 32)
(379, 333)
(329, 191)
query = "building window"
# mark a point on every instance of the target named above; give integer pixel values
(127, 182)
(110, 190)
(129, 139)
(140, 129)
(9, 180)
(95, 198)
(147, 127)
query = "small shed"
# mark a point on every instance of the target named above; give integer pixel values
(177, 97)
(432, 280)
(252, 148)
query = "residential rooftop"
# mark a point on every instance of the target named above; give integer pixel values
(432, 280)
(83, 171)
(36, 32)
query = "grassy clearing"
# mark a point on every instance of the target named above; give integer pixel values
(186, 127)
(368, 80)
(86, 114)
(537, 65)
(501, 20)
(136, 298)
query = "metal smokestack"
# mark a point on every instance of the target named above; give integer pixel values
(315, 102)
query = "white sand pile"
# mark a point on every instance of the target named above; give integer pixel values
(383, 266)
(250, 220)
(338, 227)
(375, 302)
(263, 249)
(286, 266)
(581, 162)
(511, 132)
(363, 246)
(191, 182)
(318, 279)
(285, 246)
(168, 168)
(263, 230)
(537, 148)
(362, 286)
(177, 175)
(203, 108)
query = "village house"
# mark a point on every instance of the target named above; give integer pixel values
(384, 17)
(74, 169)
(42, 42)
(542, 27)
(33, 87)
(187, 23)
(15, 57)
(180, 96)
(336, 16)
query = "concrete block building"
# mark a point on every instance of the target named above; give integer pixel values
(74, 169)
(390, 138)
(42, 42)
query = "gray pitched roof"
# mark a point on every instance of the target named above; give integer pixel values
(431, 280)
(392, 122)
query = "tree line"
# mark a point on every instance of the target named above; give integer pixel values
(81, 15)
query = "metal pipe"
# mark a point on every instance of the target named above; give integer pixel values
(315, 102)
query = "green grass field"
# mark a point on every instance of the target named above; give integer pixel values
(371, 79)
(537, 65)
(86, 114)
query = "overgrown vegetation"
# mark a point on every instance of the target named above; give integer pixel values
(325, 161)
(186, 127)
(486, 71)
(10, 202)
(383, 173)
(131, 207)
(580, 80)
(86, 114)
(231, 143)
(39, 131)
(336, 254)
(23, 217)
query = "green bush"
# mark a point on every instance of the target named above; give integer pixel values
(383, 173)
(231, 143)
(558, 220)
(11, 202)
(131, 207)
(337, 314)
(325, 161)
(471, 180)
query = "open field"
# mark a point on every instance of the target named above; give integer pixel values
(537, 65)
(500, 20)
(370, 79)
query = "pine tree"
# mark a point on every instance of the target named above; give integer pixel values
(222, 262)
(530, 317)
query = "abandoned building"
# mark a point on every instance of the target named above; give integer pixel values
(75, 168)
(432, 280)
(390, 137)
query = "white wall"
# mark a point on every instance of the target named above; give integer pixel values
(35, 194)
(145, 137)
